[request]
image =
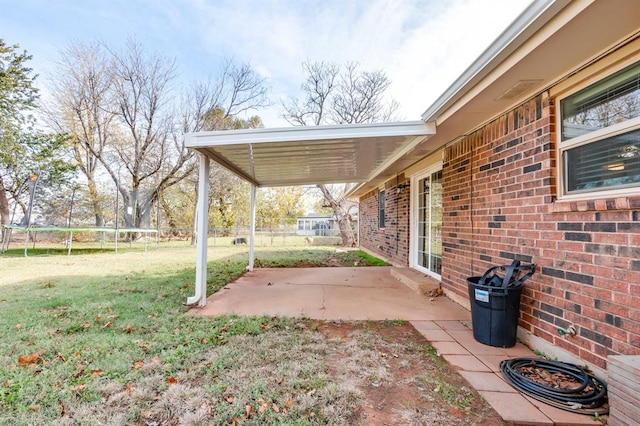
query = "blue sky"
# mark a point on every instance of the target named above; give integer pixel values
(422, 45)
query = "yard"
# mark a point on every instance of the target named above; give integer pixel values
(100, 338)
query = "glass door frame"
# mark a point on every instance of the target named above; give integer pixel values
(413, 215)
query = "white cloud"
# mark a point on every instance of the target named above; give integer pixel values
(423, 45)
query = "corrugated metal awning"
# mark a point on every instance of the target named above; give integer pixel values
(311, 155)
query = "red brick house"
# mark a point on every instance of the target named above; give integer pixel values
(536, 156)
(532, 154)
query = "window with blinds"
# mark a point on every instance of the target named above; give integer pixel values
(600, 134)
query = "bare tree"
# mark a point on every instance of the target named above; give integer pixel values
(124, 113)
(338, 95)
(149, 146)
(318, 90)
(219, 104)
(81, 107)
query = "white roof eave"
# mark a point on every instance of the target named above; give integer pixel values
(289, 134)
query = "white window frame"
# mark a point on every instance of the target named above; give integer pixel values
(413, 218)
(591, 137)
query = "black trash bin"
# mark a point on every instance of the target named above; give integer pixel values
(495, 303)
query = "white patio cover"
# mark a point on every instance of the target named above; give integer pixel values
(292, 156)
(348, 153)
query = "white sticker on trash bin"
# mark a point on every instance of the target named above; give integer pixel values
(482, 295)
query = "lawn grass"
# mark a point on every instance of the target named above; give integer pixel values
(104, 339)
(315, 256)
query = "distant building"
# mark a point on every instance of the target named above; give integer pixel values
(315, 225)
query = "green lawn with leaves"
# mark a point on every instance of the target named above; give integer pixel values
(105, 339)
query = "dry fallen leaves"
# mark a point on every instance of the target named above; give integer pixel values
(138, 364)
(29, 359)
(172, 381)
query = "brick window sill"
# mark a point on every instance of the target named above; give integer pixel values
(604, 204)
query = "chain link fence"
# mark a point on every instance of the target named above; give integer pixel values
(281, 235)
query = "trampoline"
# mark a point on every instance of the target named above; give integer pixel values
(7, 230)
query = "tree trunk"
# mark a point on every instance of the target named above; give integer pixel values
(168, 212)
(346, 232)
(5, 214)
(95, 200)
(341, 212)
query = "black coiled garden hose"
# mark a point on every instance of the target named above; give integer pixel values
(590, 397)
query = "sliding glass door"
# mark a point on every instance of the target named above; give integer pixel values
(426, 219)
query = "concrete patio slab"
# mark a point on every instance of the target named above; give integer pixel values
(330, 294)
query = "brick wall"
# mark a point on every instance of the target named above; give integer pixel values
(499, 204)
(392, 242)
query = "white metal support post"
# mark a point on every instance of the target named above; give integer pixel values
(252, 230)
(200, 296)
